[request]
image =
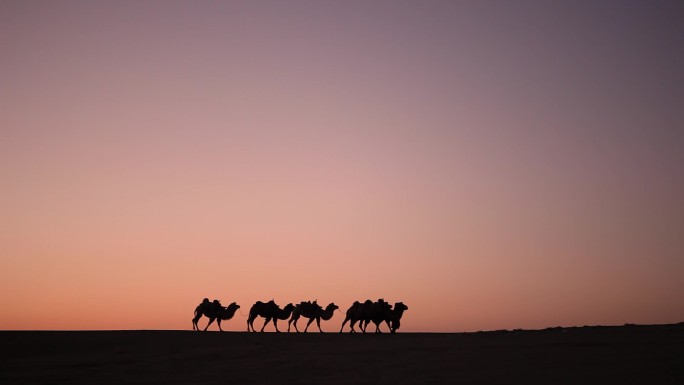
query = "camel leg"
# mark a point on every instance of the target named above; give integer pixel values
(318, 322)
(195, 320)
(377, 327)
(307, 324)
(218, 321)
(275, 323)
(293, 319)
(268, 319)
(344, 322)
(250, 322)
(210, 321)
(351, 325)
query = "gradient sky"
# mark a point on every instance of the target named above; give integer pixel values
(492, 164)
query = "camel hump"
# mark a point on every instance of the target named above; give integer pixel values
(308, 306)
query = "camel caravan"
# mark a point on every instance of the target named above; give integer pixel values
(362, 313)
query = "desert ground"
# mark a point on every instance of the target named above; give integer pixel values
(629, 354)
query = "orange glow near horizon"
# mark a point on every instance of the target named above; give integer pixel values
(483, 163)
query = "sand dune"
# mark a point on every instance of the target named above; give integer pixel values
(590, 355)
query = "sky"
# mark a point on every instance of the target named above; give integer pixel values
(491, 164)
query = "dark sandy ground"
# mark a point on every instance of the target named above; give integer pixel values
(589, 355)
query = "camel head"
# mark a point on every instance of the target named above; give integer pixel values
(332, 307)
(400, 306)
(234, 305)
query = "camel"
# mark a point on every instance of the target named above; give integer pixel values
(384, 312)
(223, 314)
(358, 311)
(270, 311)
(213, 311)
(312, 311)
(203, 307)
(377, 313)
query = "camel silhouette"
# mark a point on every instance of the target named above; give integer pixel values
(312, 311)
(358, 312)
(214, 311)
(377, 313)
(384, 313)
(269, 310)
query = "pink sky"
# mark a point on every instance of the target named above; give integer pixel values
(493, 165)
